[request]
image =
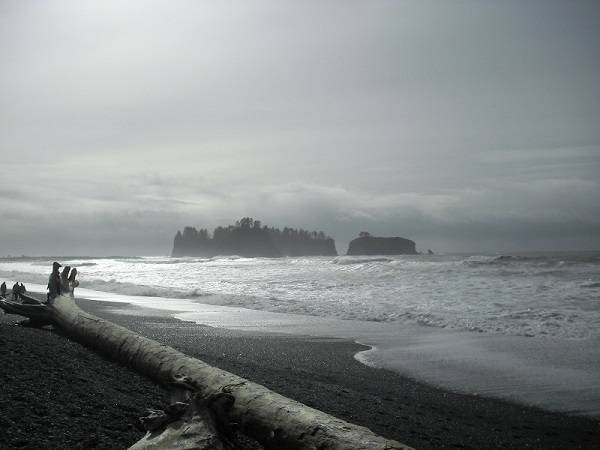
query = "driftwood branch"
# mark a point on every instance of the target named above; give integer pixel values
(193, 425)
(37, 313)
(272, 419)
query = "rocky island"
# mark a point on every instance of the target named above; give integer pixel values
(249, 238)
(366, 244)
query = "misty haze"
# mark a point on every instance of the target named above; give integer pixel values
(384, 214)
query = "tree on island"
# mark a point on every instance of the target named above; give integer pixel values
(248, 237)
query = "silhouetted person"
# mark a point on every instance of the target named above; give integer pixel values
(15, 291)
(64, 279)
(22, 290)
(54, 288)
(3, 289)
(73, 283)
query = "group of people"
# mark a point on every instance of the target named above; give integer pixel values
(61, 282)
(58, 283)
(18, 290)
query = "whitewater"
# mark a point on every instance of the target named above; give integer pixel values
(524, 327)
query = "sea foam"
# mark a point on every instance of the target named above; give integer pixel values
(543, 296)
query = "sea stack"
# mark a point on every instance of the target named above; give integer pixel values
(366, 244)
(249, 238)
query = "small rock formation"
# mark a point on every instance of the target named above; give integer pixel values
(370, 245)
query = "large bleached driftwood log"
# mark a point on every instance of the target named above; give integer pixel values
(272, 419)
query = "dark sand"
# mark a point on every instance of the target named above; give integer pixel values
(322, 373)
(57, 394)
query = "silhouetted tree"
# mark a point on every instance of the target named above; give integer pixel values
(249, 237)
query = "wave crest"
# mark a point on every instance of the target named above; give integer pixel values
(140, 290)
(532, 261)
(345, 260)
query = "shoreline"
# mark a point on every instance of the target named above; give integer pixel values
(490, 352)
(323, 373)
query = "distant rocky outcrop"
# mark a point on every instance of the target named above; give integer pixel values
(366, 244)
(249, 238)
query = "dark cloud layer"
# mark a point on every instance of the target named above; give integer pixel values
(467, 126)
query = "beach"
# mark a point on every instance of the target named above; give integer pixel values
(95, 402)
(323, 373)
(522, 328)
(57, 394)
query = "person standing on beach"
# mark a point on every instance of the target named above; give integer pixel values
(73, 283)
(3, 289)
(54, 288)
(15, 291)
(22, 290)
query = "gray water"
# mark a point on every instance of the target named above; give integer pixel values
(523, 327)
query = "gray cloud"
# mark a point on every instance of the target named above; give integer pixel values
(463, 125)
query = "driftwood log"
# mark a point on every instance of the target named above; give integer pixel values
(272, 419)
(38, 314)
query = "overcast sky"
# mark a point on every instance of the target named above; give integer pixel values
(463, 125)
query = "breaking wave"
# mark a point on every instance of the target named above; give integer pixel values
(554, 296)
(348, 260)
(132, 289)
(515, 261)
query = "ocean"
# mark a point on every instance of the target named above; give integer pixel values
(522, 327)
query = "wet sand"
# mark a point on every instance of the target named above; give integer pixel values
(323, 373)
